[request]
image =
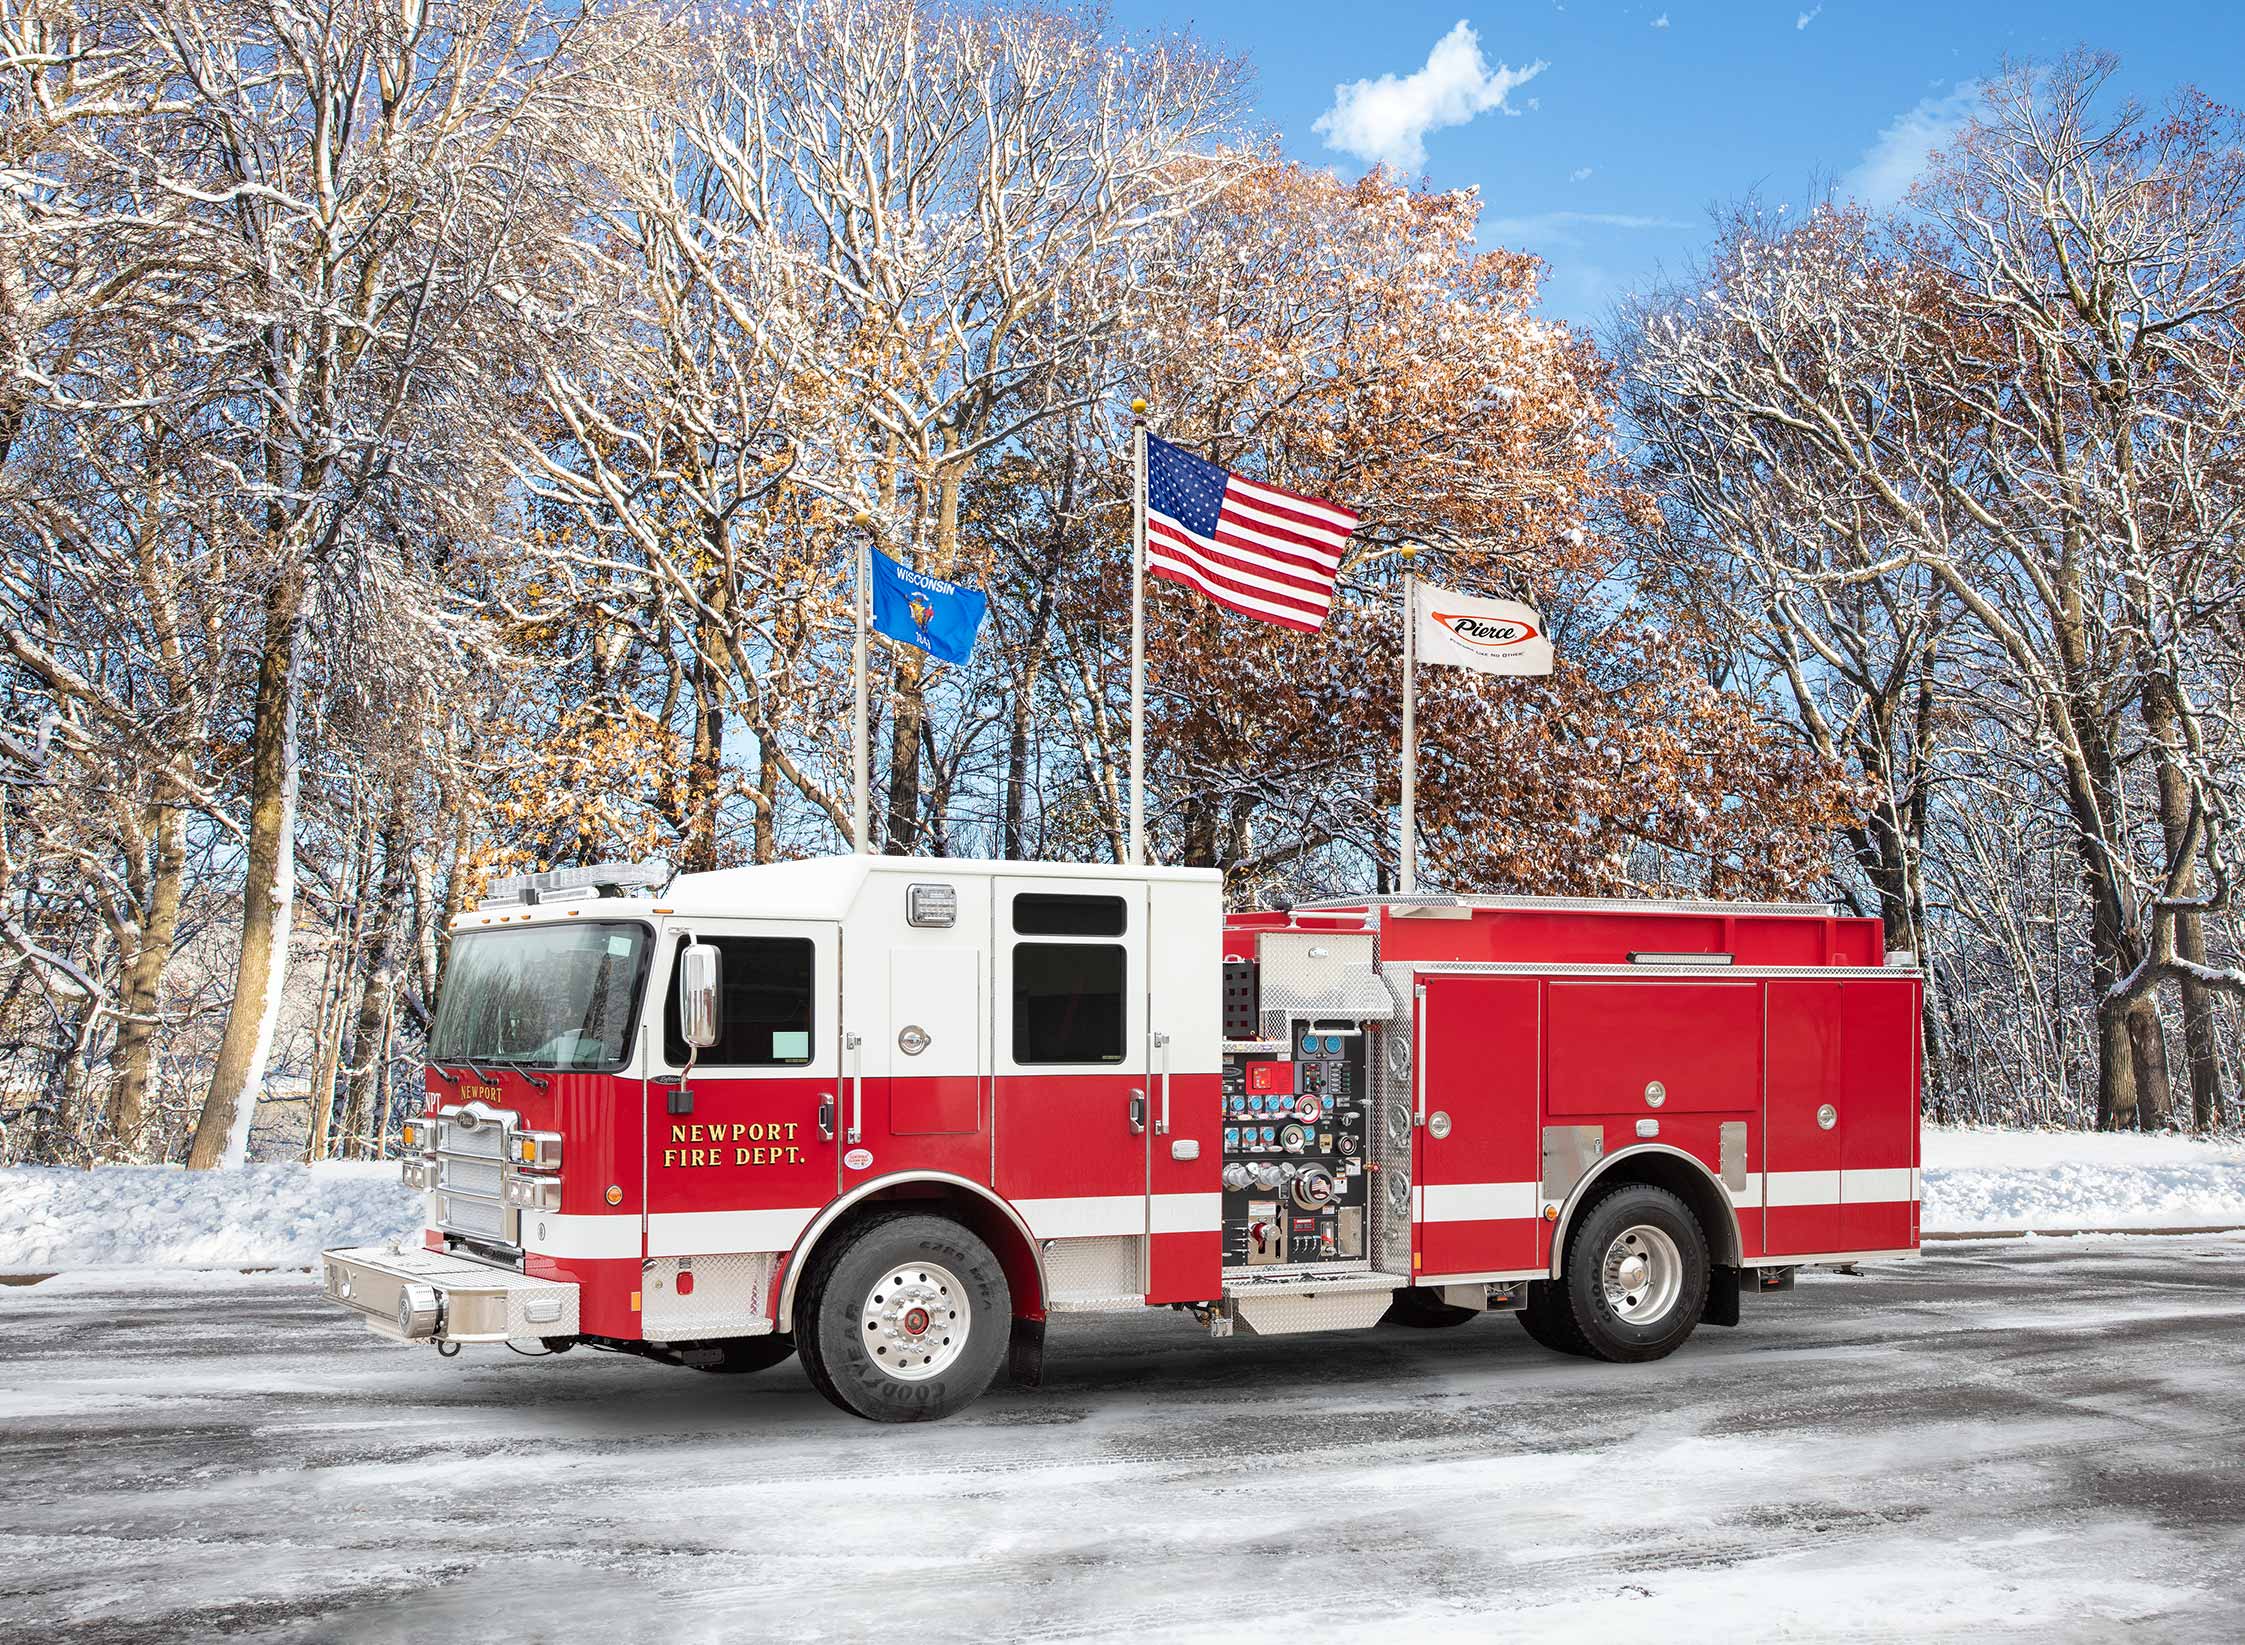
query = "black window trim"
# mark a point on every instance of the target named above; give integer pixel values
(1122, 904)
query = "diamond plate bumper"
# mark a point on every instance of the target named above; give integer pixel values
(422, 1296)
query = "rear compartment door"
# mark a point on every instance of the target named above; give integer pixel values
(1475, 1179)
(1802, 1154)
(1878, 1114)
(756, 1155)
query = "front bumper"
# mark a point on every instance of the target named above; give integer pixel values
(431, 1296)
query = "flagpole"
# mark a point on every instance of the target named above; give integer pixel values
(1137, 856)
(1410, 852)
(860, 805)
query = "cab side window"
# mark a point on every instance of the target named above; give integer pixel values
(1068, 997)
(765, 1008)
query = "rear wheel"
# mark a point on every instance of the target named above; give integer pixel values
(908, 1319)
(1636, 1275)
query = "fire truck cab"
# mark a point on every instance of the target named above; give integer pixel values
(894, 1114)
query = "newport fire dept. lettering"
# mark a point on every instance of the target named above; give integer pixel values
(744, 1142)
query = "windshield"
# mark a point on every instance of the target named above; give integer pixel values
(549, 996)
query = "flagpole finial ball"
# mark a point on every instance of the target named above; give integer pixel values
(861, 519)
(1138, 408)
(1409, 551)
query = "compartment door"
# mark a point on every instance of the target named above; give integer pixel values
(1474, 1197)
(1878, 1115)
(1801, 1155)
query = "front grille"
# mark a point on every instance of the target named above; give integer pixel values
(472, 1176)
(473, 1216)
(485, 1140)
(471, 1179)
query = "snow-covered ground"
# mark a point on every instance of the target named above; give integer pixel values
(280, 1216)
(2008, 1180)
(135, 1216)
(2015, 1441)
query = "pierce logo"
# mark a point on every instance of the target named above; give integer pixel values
(1487, 633)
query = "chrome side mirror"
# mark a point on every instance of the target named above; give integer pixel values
(700, 984)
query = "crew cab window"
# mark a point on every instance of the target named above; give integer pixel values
(764, 1006)
(1067, 1000)
(1050, 914)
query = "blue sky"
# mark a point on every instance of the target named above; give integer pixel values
(1606, 159)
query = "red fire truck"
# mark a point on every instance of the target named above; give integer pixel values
(894, 1114)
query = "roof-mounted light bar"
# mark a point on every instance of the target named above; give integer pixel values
(603, 879)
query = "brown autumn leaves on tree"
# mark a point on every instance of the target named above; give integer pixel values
(1365, 349)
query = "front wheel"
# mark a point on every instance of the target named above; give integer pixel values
(909, 1319)
(1636, 1275)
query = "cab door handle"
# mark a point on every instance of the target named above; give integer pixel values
(826, 1115)
(1137, 1113)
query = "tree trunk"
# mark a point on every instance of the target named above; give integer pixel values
(134, 1058)
(2147, 1045)
(705, 765)
(268, 889)
(908, 709)
(2116, 1075)
(2201, 1042)
(377, 997)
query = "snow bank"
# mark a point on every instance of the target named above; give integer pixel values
(259, 1216)
(1988, 1179)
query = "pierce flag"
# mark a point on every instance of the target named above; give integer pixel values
(1493, 636)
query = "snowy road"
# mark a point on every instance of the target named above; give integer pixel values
(2034, 1441)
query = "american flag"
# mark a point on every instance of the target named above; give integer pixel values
(1250, 547)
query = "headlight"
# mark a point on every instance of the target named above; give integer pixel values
(534, 1193)
(418, 1135)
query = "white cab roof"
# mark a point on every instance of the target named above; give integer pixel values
(825, 888)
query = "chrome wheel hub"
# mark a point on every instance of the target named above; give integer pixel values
(914, 1320)
(1642, 1274)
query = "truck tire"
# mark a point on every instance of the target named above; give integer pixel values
(745, 1354)
(1636, 1274)
(1547, 1318)
(906, 1318)
(1421, 1309)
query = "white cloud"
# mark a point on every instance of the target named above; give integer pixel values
(1581, 174)
(1890, 165)
(1808, 17)
(1386, 120)
(1661, 21)
(1561, 229)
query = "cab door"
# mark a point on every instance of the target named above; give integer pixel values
(742, 1151)
(1074, 1116)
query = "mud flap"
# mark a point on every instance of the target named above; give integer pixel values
(1025, 1352)
(1722, 1297)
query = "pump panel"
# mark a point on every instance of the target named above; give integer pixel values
(1294, 1148)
